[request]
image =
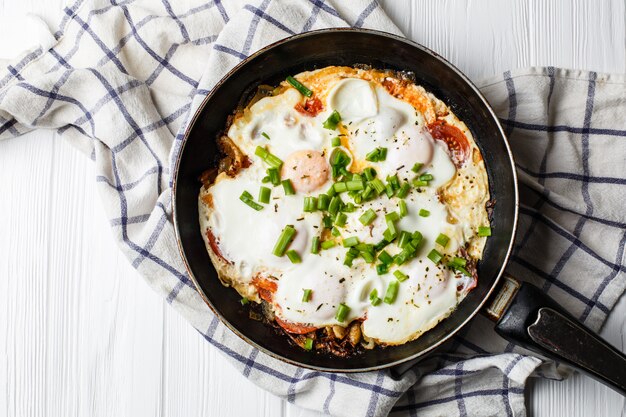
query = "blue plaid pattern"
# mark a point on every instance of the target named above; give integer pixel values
(123, 97)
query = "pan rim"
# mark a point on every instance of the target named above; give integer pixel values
(464, 78)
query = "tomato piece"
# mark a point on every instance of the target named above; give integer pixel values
(312, 107)
(295, 327)
(455, 140)
(264, 283)
(214, 247)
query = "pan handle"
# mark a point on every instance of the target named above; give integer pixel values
(526, 316)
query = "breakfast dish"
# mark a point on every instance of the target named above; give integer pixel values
(351, 204)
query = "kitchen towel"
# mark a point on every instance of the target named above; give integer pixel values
(122, 78)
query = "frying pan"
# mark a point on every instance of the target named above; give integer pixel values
(523, 314)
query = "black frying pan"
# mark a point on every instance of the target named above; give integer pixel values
(523, 313)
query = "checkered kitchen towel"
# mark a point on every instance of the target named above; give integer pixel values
(122, 78)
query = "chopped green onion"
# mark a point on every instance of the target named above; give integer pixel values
(308, 344)
(416, 238)
(417, 167)
(273, 161)
(394, 181)
(341, 219)
(306, 296)
(400, 275)
(340, 187)
(336, 141)
(404, 190)
(322, 202)
(331, 191)
(434, 256)
(418, 183)
(484, 231)
(315, 245)
(335, 232)
(456, 261)
(442, 240)
(334, 205)
(381, 245)
(426, 177)
(274, 176)
(299, 86)
(355, 185)
(391, 227)
(264, 195)
(350, 255)
(389, 190)
(403, 208)
(370, 173)
(327, 244)
(351, 241)
(342, 313)
(310, 204)
(382, 269)
(244, 301)
(368, 217)
(368, 190)
(393, 216)
(265, 179)
(247, 198)
(332, 121)
(378, 185)
(374, 297)
(261, 152)
(392, 292)
(293, 256)
(327, 221)
(390, 235)
(405, 237)
(284, 240)
(349, 208)
(424, 213)
(288, 187)
(382, 154)
(367, 256)
(265, 135)
(384, 257)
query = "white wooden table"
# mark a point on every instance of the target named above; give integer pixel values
(80, 332)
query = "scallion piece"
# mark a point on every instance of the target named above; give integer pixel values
(400, 275)
(310, 204)
(334, 205)
(382, 269)
(382, 154)
(331, 191)
(374, 297)
(417, 167)
(336, 141)
(244, 301)
(434, 256)
(355, 185)
(322, 202)
(306, 296)
(416, 238)
(389, 190)
(299, 86)
(341, 219)
(403, 208)
(265, 135)
(315, 245)
(384, 257)
(274, 176)
(419, 183)
(393, 216)
(261, 152)
(370, 173)
(456, 261)
(367, 192)
(392, 292)
(424, 213)
(284, 240)
(332, 121)
(442, 240)
(293, 256)
(327, 244)
(367, 256)
(404, 190)
(247, 198)
(308, 344)
(264, 195)
(394, 181)
(426, 177)
(373, 155)
(342, 313)
(405, 237)
(351, 241)
(340, 187)
(327, 221)
(288, 187)
(368, 217)
(335, 232)
(265, 179)
(390, 235)
(484, 231)
(273, 161)
(377, 185)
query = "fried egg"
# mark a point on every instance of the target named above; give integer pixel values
(434, 197)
